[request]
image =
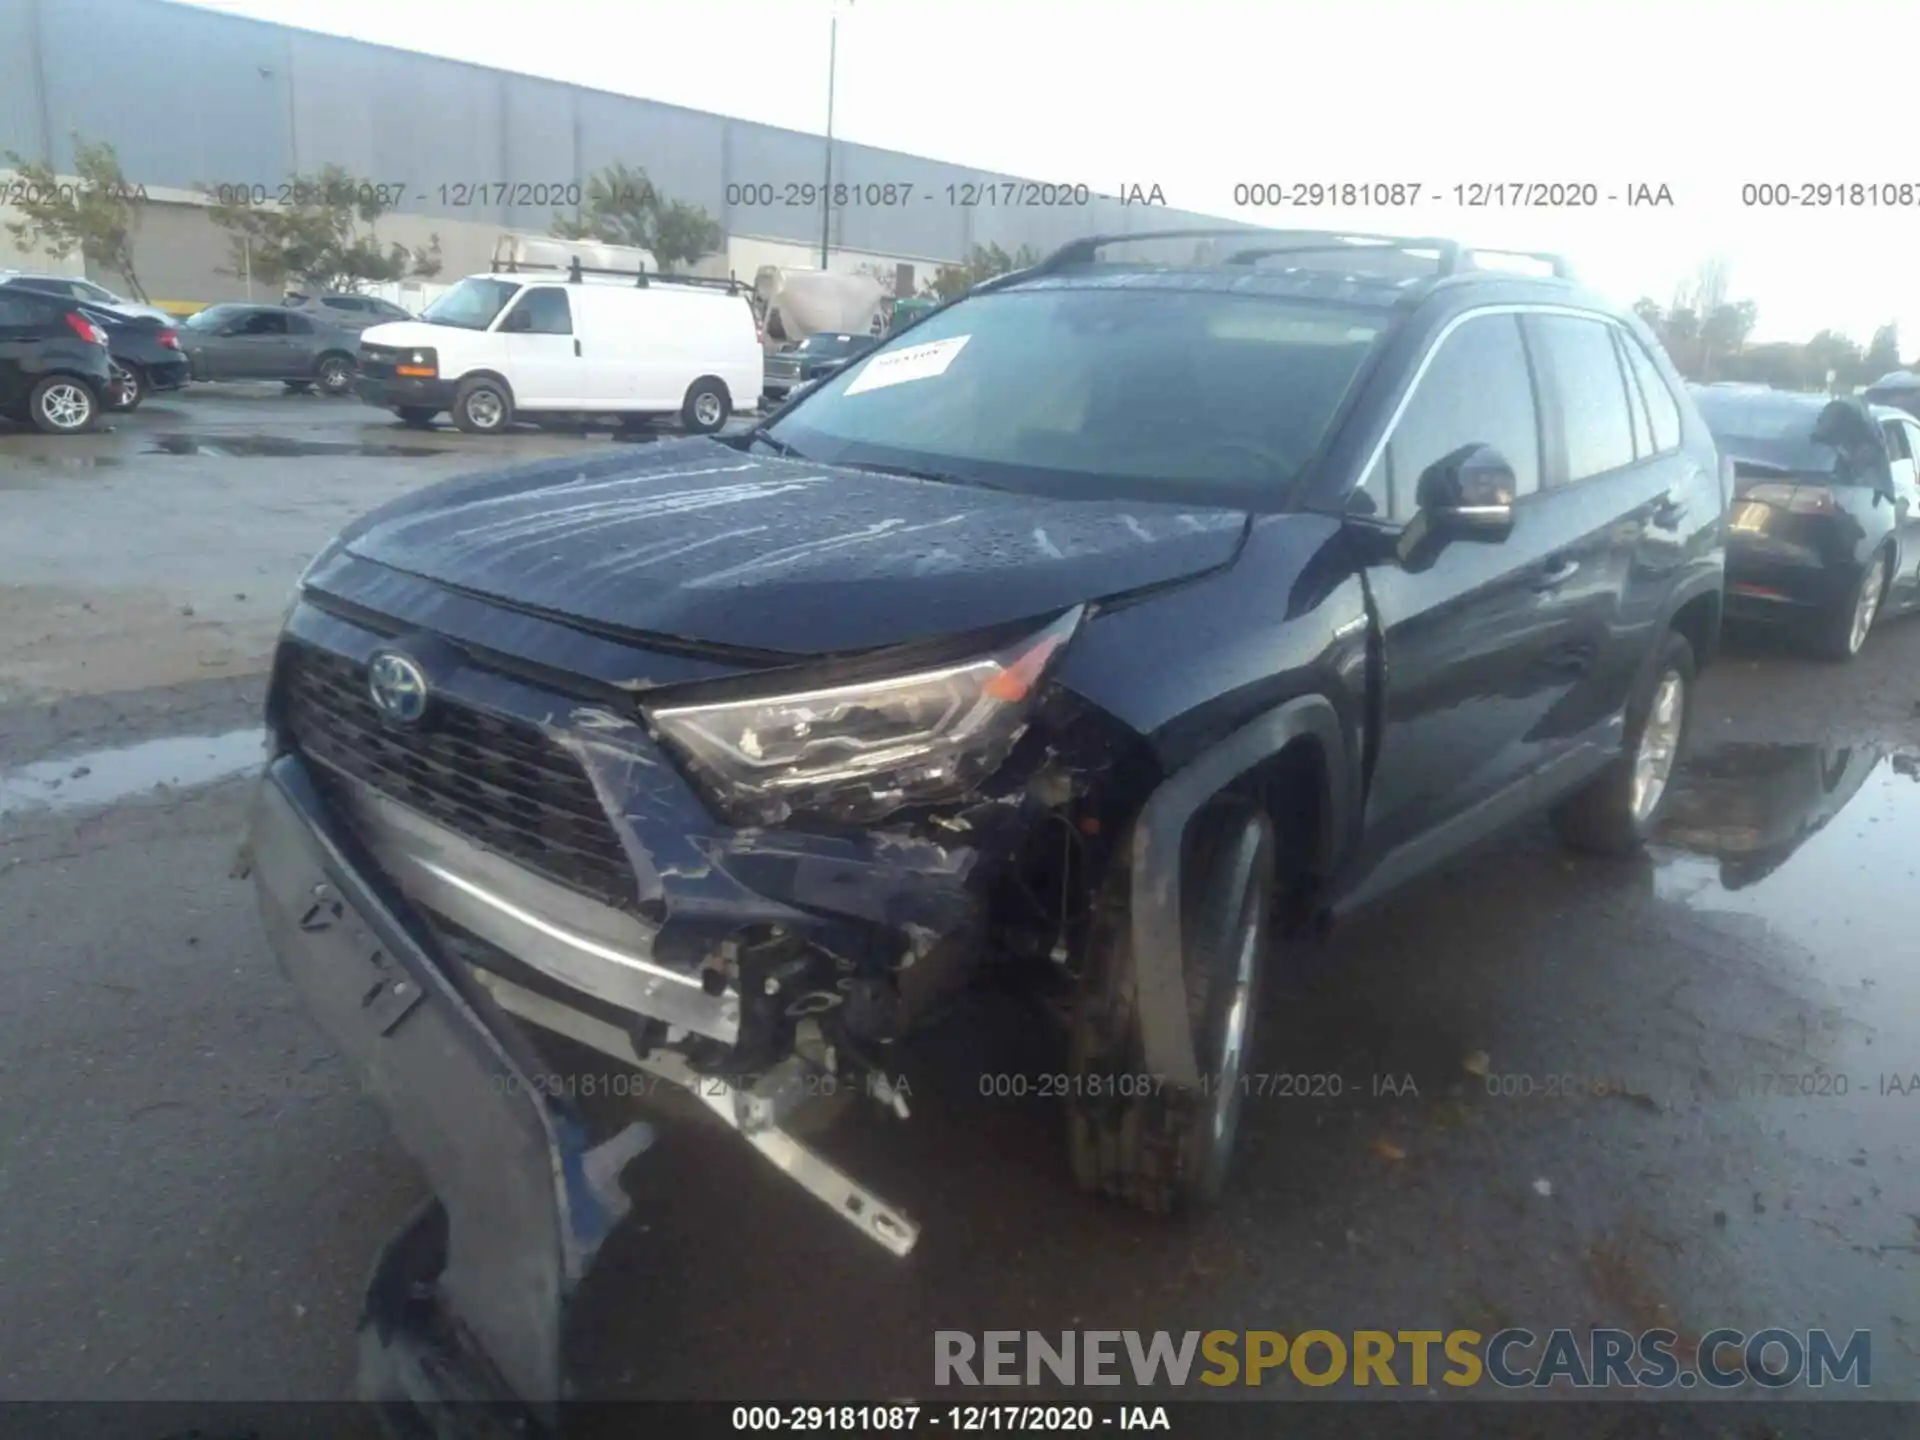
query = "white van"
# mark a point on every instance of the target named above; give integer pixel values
(578, 344)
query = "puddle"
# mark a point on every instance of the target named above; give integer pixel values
(1819, 843)
(279, 447)
(104, 777)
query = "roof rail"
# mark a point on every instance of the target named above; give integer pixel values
(1453, 256)
(576, 272)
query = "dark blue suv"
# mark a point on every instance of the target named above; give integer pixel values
(1118, 621)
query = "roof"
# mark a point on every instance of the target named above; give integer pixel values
(1375, 270)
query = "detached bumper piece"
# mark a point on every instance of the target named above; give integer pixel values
(467, 1303)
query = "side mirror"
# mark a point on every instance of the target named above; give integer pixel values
(1468, 495)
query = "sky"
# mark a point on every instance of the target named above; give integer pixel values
(1704, 99)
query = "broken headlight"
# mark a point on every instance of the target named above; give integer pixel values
(857, 752)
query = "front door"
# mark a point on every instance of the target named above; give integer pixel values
(1903, 445)
(1481, 642)
(256, 346)
(543, 355)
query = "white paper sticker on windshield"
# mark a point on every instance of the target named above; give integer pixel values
(916, 362)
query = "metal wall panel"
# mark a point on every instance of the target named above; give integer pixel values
(190, 96)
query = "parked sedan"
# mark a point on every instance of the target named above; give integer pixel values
(814, 358)
(1824, 531)
(343, 311)
(145, 355)
(83, 292)
(269, 342)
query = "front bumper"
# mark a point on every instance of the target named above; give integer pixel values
(394, 392)
(468, 1301)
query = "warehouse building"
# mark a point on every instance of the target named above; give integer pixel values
(476, 152)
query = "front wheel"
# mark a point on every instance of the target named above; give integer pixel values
(1619, 809)
(1129, 1136)
(62, 405)
(482, 406)
(707, 407)
(1844, 629)
(335, 376)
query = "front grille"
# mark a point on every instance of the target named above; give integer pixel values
(503, 785)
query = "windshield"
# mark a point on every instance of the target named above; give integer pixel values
(212, 317)
(472, 304)
(1093, 392)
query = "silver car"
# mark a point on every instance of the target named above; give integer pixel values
(344, 311)
(270, 342)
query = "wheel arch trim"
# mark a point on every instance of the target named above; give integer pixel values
(1157, 843)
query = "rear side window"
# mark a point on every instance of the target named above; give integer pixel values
(541, 312)
(1636, 405)
(1663, 411)
(343, 302)
(1592, 393)
(1477, 390)
(19, 310)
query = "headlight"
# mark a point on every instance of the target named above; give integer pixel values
(858, 752)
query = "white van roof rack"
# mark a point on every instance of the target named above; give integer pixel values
(576, 272)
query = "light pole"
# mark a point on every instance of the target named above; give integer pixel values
(826, 190)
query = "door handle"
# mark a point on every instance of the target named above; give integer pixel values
(1556, 573)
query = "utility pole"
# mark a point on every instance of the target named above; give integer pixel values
(826, 190)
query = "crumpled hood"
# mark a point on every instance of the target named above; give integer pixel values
(695, 540)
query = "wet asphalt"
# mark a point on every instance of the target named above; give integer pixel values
(1680, 1091)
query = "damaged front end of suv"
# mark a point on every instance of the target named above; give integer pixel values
(482, 825)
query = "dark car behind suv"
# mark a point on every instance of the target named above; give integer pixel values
(55, 372)
(1824, 533)
(813, 358)
(146, 357)
(270, 342)
(1119, 622)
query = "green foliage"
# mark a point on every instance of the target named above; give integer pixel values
(322, 238)
(986, 262)
(621, 206)
(99, 216)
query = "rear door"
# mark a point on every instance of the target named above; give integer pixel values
(23, 324)
(544, 363)
(1623, 493)
(1479, 639)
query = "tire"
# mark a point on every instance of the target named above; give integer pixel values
(334, 375)
(298, 387)
(1163, 1150)
(63, 405)
(1610, 814)
(130, 388)
(706, 408)
(1844, 629)
(418, 417)
(482, 406)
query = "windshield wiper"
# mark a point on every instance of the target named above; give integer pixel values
(779, 447)
(944, 477)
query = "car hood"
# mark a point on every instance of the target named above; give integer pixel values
(406, 334)
(695, 540)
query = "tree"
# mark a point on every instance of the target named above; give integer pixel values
(986, 262)
(621, 206)
(1650, 312)
(1883, 354)
(99, 216)
(1830, 351)
(323, 237)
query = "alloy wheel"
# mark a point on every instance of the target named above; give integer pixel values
(1659, 744)
(706, 408)
(66, 406)
(1866, 607)
(483, 408)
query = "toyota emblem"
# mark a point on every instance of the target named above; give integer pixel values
(398, 687)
